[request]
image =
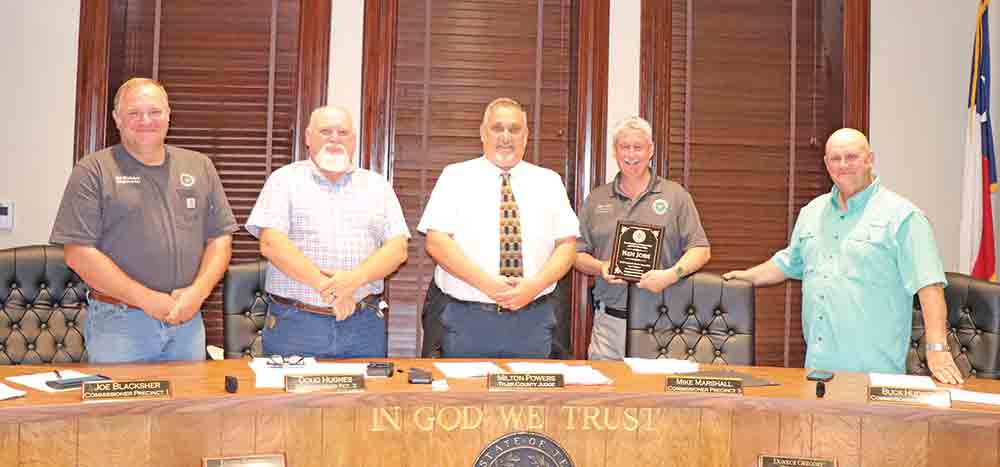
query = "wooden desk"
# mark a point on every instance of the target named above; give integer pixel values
(632, 423)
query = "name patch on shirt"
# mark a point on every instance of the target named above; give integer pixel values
(127, 180)
(604, 208)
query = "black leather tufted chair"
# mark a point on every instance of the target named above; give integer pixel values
(42, 307)
(244, 309)
(974, 328)
(700, 318)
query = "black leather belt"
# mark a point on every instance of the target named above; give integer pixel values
(615, 312)
(493, 307)
(371, 300)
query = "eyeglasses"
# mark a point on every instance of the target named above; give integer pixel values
(499, 128)
(279, 361)
(849, 159)
(624, 148)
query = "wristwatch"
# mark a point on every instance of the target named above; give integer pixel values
(931, 347)
(679, 271)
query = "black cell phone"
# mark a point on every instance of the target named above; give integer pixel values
(819, 375)
(418, 376)
(70, 383)
(380, 369)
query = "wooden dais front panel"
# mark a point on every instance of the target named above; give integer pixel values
(633, 423)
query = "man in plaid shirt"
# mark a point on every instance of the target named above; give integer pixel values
(331, 232)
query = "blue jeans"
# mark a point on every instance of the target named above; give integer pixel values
(296, 332)
(477, 330)
(119, 334)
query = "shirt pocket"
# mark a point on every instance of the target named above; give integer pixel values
(809, 250)
(190, 209)
(870, 254)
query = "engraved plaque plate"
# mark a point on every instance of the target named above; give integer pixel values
(794, 461)
(256, 460)
(704, 384)
(910, 396)
(636, 250)
(514, 381)
(139, 389)
(325, 383)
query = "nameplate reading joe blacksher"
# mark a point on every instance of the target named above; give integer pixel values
(705, 385)
(138, 389)
(324, 383)
(513, 381)
(910, 396)
(791, 461)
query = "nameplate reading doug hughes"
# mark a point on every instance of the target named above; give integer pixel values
(326, 383)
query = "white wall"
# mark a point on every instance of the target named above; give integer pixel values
(625, 36)
(346, 47)
(38, 98)
(920, 59)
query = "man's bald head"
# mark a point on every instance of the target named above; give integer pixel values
(848, 136)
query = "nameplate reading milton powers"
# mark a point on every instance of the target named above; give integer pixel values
(511, 381)
(910, 396)
(786, 461)
(325, 383)
(704, 385)
(256, 460)
(636, 250)
(138, 389)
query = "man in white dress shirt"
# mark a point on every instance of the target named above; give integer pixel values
(502, 233)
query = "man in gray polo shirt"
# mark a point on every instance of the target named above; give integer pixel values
(635, 195)
(147, 226)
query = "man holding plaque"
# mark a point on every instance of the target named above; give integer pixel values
(502, 232)
(862, 252)
(331, 232)
(624, 215)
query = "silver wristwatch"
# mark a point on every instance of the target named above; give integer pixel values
(937, 347)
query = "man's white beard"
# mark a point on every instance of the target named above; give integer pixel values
(336, 161)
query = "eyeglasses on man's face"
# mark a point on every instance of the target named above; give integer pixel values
(849, 159)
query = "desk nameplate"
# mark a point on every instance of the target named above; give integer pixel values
(703, 384)
(127, 390)
(255, 460)
(518, 381)
(794, 461)
(324, 383)
(910, 396)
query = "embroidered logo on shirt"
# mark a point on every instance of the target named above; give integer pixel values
(604, 208)
(187, 180)
(127, 180)
(660, 206)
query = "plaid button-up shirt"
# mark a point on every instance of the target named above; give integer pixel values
(336, 225)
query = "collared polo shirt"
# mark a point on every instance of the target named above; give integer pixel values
(663, 203)
(465, 204)
(337, 225)
(859, 272)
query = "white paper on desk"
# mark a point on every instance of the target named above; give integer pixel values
(37, 380)
(467, 369)
(901, 381)
(575, 374)
(7, 392)
(660, 366)
(274, 377)
(976, 397)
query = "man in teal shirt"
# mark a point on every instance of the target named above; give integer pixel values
(862, 252)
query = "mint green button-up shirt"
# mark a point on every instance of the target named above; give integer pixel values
(859, 271)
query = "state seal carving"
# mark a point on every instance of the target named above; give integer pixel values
(523, 449)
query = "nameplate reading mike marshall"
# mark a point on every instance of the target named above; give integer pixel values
(139, 389)
(705, 384)
(326, 383)
(910, 396)
(786, 461)
(509, 381)
(636, 250)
